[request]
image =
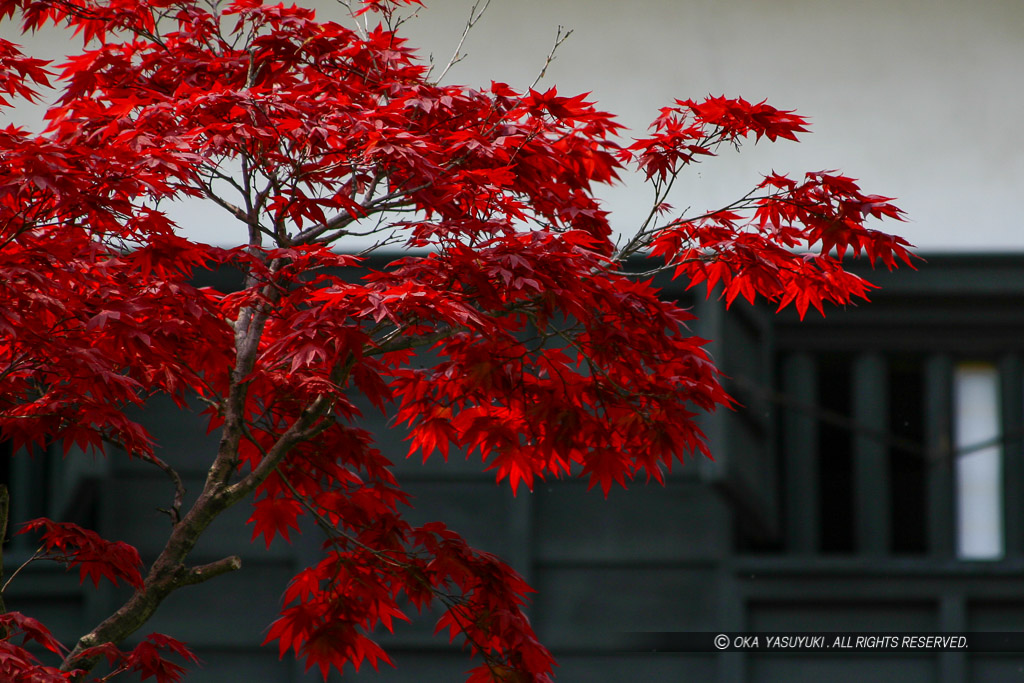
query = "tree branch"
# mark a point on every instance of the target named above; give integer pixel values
(179, 488)
(212, 570)
(560, 38)
(474, 17)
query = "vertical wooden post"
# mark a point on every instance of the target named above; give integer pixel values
(1011, 388)
(800, 445)
(938, 415)
(871, 484)
(953, 619)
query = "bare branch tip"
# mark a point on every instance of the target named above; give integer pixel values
(205, 572)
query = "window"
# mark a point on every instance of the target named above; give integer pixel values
(978, 468)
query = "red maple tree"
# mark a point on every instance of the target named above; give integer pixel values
(551, 359)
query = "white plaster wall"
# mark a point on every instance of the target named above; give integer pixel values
(920, 100)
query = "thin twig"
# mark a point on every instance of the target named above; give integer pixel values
(5, 507)
(474, 17)
(361, 28)
(36, 556)
(560, 38)
(179, 488)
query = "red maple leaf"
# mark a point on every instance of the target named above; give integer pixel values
(95, 557)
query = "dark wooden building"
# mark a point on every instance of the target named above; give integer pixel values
(873, 481)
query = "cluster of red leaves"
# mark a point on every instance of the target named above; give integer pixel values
(17, 664)
(784, 240)
(753, 253)
(146, 659)
(332, 606)
(518, 338)
(562, 388)
(87, 331)
(690, 129)
(86, 328)
(94, 556)
(18, 73)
